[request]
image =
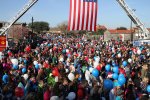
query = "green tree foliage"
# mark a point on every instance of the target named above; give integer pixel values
(101, 31)
(39, 26)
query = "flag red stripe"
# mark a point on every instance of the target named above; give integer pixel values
(92, 16)
(74, 18)
(79, 5)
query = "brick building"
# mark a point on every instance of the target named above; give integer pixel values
(119, 34)
(17, 30)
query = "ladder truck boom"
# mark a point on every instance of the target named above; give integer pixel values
(145, 34)
(19, 14)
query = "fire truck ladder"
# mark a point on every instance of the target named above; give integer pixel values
(19, 14)
(145, 34)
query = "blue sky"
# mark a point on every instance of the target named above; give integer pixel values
(110, 13)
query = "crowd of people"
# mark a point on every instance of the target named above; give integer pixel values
(75, 68)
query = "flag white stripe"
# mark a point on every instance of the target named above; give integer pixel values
(81, 11)
(94, 12)
(76, 17)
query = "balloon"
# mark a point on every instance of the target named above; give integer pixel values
(95, 72)
(95, 64)
(83, 68)
(86, 59)
(114, 64)
(119, 55)
(25, 76)
(108, 84)
(116, 84)
(124, 63)
(14, 61)
(109, 75)
(24, 70)
(121, 71)
(121, 80)
(49, 45)
(107, 67)
(15, 67)
(71, 76)
(1, 53)
(55, 72)
(53, 98)
(115, 76)
(121, 75)
(19, 92)
(28, 48)
(9, 53)
(25, 61)
(5, 78)
(46, 65)
(35, 62)
(61, 59)
(148, 88)
(129, 60)
(91, 69)
(98, 68)
(37, 66)
(71, 96)
(115, 69)
(1, 57)
(130, 52)
(63, 51)
(96, 59)
(67, 70)
(4, 64)
(20, 59)
(67, 50)
(139, 51)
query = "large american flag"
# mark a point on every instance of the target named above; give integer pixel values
(83, 15)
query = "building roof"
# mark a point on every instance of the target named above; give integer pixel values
(114, 31)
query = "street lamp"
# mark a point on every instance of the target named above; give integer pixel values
(131, 27)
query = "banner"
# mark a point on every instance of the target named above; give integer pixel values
(2, 42)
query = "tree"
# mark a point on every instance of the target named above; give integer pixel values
(121, 28)
(101, 31)
(39, 26)
(63, 27)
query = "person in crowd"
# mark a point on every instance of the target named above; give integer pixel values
(75, 68)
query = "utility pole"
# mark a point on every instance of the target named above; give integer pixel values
(32, 24)
(131, 27)
(30, 35)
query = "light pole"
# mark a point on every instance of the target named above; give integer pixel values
(131, 27)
